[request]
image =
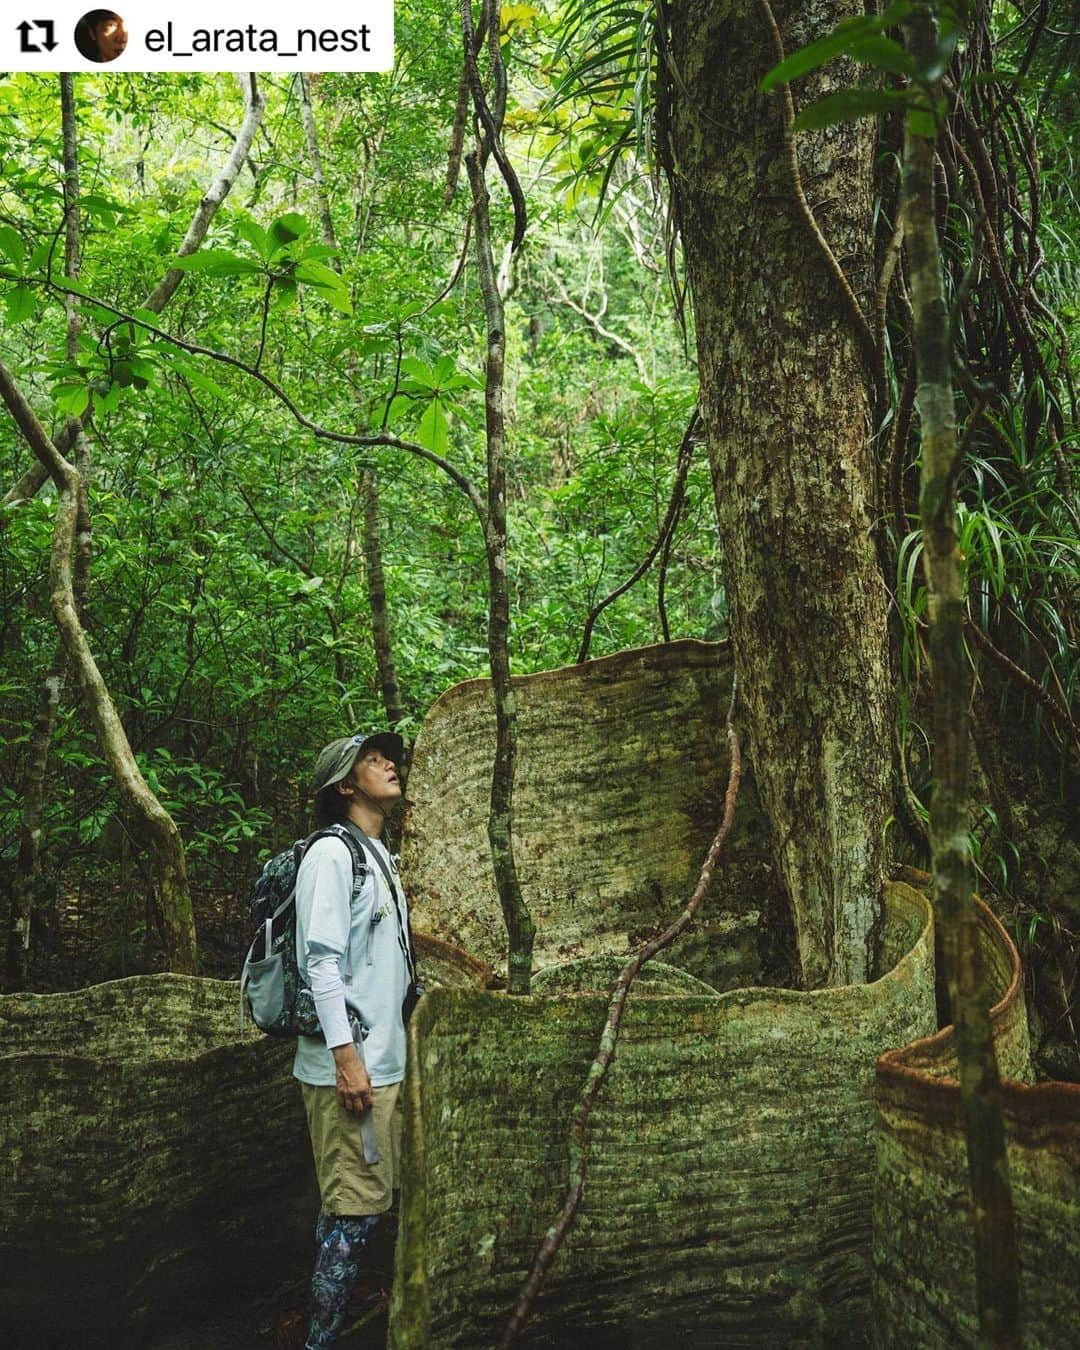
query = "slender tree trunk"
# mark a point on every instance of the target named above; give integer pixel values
(307, 115)
(27, 874)
(215, 194)
(152, 823)
(519, 924)
(786, 410)
(996, 1270)
(376, 586)
(369, 482)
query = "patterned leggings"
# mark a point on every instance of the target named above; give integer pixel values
(340, 1240)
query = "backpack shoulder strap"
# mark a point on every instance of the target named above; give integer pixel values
(357, 852)
(404, 930)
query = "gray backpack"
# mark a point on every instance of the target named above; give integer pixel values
(280, 1000)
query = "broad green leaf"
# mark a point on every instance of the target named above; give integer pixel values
(107, 400)
(19, 305)
(318, 274)
(884, 54)
(283, 293)
(204, 382)
(72, 399)
(433, 432)
(444, 369)
(338, 297)
(96, 204)
(846, 105)
(255, 235)
(216, 262)
(399, 406)
(321, 251)
(420, 371)
(287, 228)
(327, 282)
(12, 246)
(142, 369)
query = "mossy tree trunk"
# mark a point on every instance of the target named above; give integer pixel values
(996, 1266)
(786, 406)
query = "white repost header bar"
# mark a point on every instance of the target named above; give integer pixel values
(156, 35)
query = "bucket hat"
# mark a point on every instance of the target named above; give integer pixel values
(336, 759)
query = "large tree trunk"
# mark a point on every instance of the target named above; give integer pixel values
(786, 407)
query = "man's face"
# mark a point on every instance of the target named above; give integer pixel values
(111, 38)
(376, 777)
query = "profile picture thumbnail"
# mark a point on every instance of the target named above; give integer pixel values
(101, 35)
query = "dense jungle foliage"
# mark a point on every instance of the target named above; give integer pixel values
(227, 601)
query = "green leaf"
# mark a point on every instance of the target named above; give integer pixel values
(72, 399)
(97, 205)
(284, 291)
(846, 105)
(254, 234)
(12, 246)
(216, 262)
(444, 369)
(399, 406)
(321, 251)
(433, 432)
(318, 274)
(108, 399)
(287, 228)
(884, 54)
(19, 304)
(420, 371)
(327, 282)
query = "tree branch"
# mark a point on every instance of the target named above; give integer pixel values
(686, 451)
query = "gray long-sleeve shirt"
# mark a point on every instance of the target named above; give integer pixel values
(356, 941)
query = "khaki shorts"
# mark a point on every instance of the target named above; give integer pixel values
(347, 1183)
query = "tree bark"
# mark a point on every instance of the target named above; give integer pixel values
(786, 408)
(996, 1267)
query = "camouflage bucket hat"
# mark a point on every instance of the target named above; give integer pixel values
(336, 759)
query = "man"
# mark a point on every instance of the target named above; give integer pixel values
(354, 952)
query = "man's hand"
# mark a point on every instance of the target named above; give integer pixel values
(353, 1084)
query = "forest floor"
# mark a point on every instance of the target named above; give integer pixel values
(279, 1321)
